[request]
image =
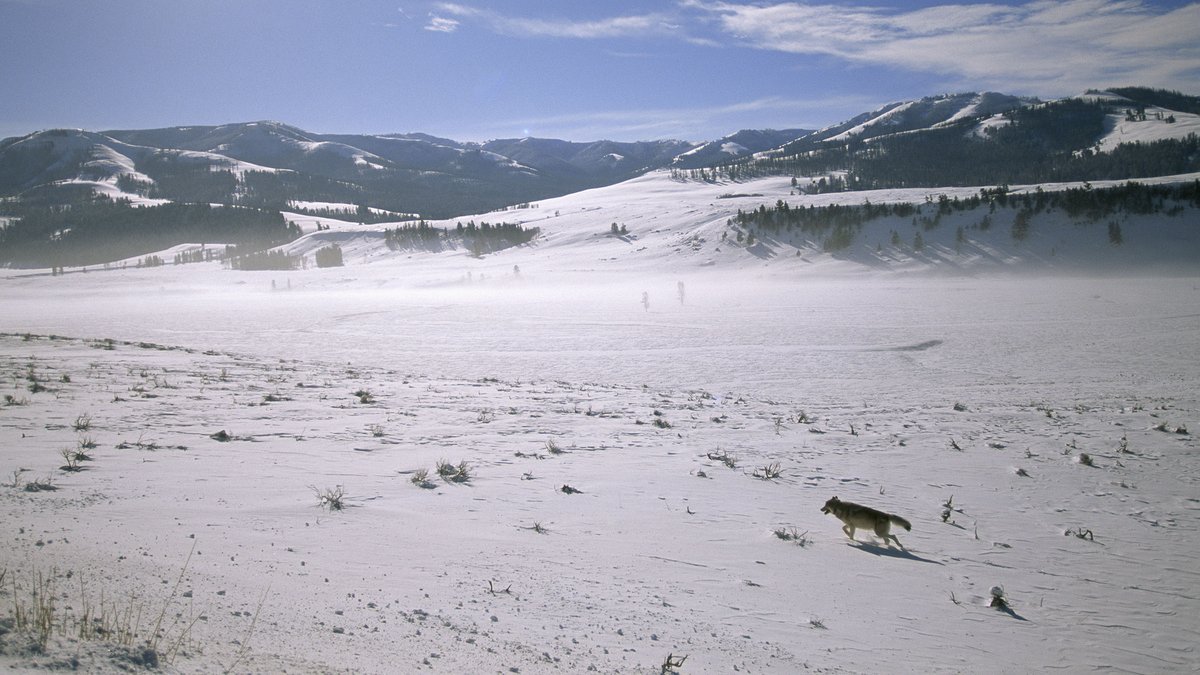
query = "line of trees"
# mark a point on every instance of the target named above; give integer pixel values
(262, 260)
(99, 229)
(836, 225)
(360, 213)
(480, 239)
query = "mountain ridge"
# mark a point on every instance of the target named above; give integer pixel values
(444, 177)
(954, 140)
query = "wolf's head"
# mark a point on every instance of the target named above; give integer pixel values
(830, 505)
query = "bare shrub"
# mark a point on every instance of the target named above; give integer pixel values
(454, 473)
(768, 472)
(724, 458)
(671, 665)
(333, 498)
(420, 478)
(790, 534)
(1081, 533)
(71, 457)
(45, 484)
(16, 480)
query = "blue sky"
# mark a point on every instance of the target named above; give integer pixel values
(623, 70)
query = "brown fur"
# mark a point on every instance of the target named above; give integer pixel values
(856, 515)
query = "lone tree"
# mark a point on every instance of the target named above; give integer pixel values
(330, 256)
(1114, 233)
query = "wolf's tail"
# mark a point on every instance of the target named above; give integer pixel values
(901, 522)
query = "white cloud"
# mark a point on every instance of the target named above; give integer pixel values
(1047, 47)
(619, 26)
(1044, 45)
(440, 24)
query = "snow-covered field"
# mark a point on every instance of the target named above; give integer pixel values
(540, 369)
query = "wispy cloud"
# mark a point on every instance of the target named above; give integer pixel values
(610, 27)
(1039, 46)
(1042, 45)
(441, 24)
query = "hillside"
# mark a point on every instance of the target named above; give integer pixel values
(665, 225)
(992, 139)
(660, 224)
(906, 116)
(741, 144)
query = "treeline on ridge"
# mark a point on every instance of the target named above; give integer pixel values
(836, 225)
(97, 229)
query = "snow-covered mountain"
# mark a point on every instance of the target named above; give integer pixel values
(602, 159)
(401, 172)
(738, 145)
(961, 141)
(441, 177)
(287, 147)
(927, 113)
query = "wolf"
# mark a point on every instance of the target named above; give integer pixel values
(857, 515)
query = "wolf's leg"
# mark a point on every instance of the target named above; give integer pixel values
(849, 530)
(884, 530)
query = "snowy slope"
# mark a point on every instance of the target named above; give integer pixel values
(680, 225)
(905, 116)
(742, 143)
(1154, 128)
(903, 393)
(684, 226)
